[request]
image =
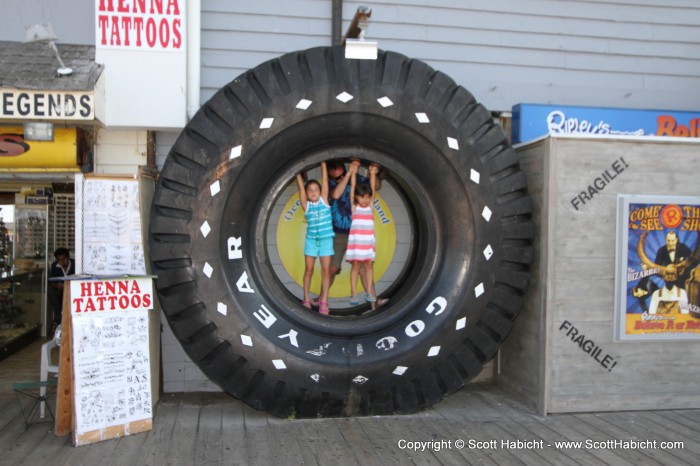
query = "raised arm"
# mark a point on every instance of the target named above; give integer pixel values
(373, 171)
(353, 183)
(324, 181)
(342, 184)
(302, 191)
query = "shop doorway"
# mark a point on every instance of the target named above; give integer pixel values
(35, 219)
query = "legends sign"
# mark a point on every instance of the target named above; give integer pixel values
(46, 105)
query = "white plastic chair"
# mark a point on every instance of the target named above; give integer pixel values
(46, 368)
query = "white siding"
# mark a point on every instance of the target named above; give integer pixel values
(120, 152)
(633, 54)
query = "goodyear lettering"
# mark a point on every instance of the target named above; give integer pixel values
(234, 248)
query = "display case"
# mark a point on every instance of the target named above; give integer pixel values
(31, 254)
(31, 232)
(21, 309)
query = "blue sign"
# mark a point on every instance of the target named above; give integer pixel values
(531, 121)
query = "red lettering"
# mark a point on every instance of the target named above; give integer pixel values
(159, 6)
(89, 305)
(101, 301)
(85, 289)
(123, 302)
(76, 304)
(151, 32)
(147, 301)
(102, 24)
(665, 125)
(175, 8)
(115, 39)
(102, 7)
(123, 287)
(141, 4)
(138, 25)
(126, 25)
(177, 36)
(135, 287)
(668, 126)
(164, 33)
(136, 301)
(682, 131)
(639, 325)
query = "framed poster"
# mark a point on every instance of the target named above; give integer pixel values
(111, 357)
(108, 226)
(657, 273)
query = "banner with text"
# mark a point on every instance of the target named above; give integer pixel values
(658, 269)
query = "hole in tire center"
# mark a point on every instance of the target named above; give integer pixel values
(395, 232)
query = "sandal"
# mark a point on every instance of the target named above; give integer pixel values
(371, 298)
(323, 308)
(354, 301)
(306, 303)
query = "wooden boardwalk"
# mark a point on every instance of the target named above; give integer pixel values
(215, 429)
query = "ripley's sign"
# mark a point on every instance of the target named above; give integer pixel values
(531, 121)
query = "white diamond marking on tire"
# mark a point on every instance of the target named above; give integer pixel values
(266, 123)
(208, 269)
(422, 118)
(488, 252)
(344, 97)
(486, 213)
(235, 152)
(385, 101)
(215, 188)
(360, 379)
(222, 308)
(453, 143)
(304, 104)
(205, 228)
(279, 364)
(246, 340)
(434, 351)
(475, 176)
(399, 370)
(461, 323)
(479, 290)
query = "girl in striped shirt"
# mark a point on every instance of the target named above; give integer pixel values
(361, 240)
(319, 235)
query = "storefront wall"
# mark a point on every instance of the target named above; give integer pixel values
(508, 52)
(542, 362)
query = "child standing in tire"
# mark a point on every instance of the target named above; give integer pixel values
(361, 240)
(319, 235)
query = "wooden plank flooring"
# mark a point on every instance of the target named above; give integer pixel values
(215, 429)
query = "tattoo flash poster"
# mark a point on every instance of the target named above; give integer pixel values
(658, 268)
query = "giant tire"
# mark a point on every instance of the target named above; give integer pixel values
(455, 303)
